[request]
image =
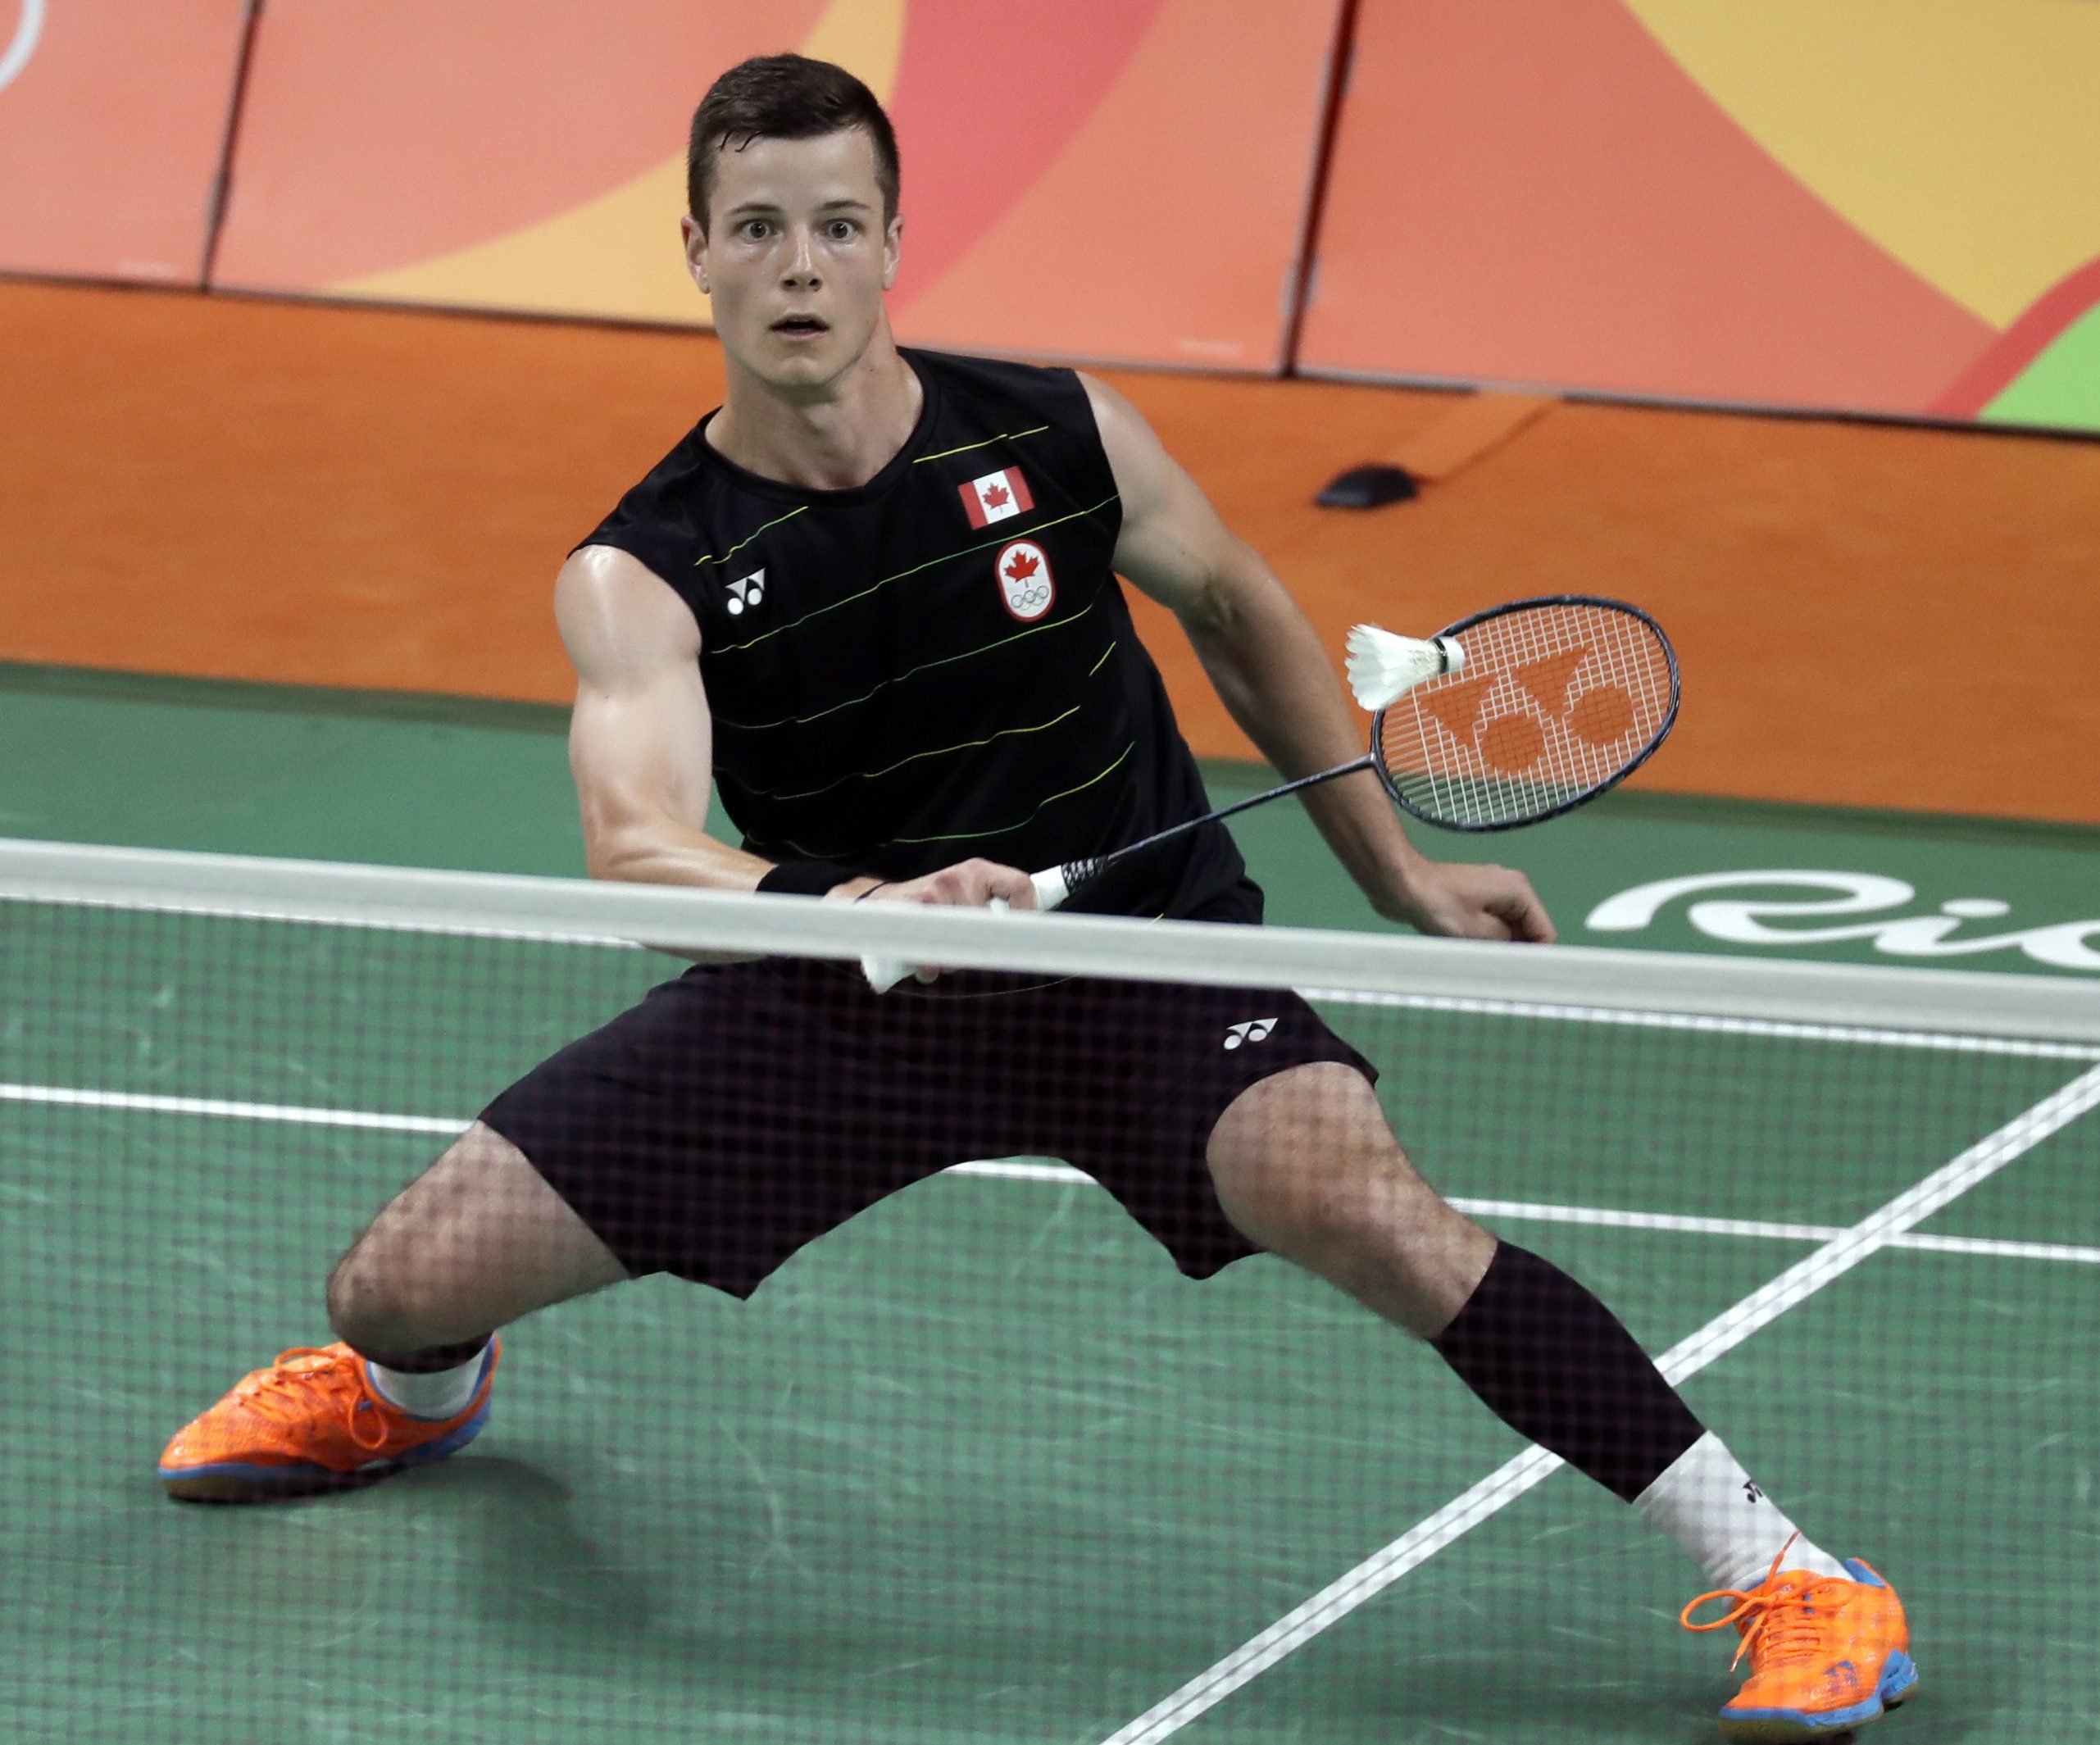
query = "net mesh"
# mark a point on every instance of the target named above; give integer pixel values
(1553, 701)
(951, 1404)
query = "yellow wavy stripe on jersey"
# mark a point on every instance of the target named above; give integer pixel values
(1006, 830)
(1008, 436)
(701, 562)
(912, 672)
(938, 750)
(966, 551)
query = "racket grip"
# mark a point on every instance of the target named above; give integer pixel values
(1051, 887)
(885, 973)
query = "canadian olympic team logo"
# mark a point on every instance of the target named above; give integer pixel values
(1025, 581)
(21, 41)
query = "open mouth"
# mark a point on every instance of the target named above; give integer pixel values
(800, 327)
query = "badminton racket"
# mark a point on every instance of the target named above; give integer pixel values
(1512, 717)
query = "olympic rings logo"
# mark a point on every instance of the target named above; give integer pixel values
(1026, 584)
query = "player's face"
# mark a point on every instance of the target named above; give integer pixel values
(796, 256)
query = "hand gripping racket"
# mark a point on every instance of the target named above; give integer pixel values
(1513, 715)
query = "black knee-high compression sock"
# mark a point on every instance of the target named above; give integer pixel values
(1555, 1365)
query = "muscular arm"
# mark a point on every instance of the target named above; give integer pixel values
(1274, 678)
(641, 746)
(640, 739)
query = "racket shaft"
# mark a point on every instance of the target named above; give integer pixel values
(1055, 885)
(1065, 880)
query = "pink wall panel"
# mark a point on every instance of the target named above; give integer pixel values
(112, 120)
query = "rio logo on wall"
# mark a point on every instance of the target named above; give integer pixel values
(2062, 945)
(21, 40)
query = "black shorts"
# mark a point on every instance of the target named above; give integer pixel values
(744, 1110)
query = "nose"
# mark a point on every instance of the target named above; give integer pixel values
(800, 273)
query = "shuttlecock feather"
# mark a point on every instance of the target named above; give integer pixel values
(1382, 665)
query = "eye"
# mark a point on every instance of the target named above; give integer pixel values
(844, 230)
(754, 229)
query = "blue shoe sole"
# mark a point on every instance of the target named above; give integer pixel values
(233, 1481)
(1899, 1678)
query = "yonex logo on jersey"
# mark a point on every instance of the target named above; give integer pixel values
(747, 592)
(995, 497)
(1025, 579)
(1256, 1030)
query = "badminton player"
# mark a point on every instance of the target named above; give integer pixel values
(873, 596)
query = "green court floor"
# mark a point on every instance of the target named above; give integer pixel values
(979, 1466)
(421, 781)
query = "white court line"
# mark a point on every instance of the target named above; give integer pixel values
(1017, 1168)
(1708, 1024)
(1510, 1481)
(242, 1111)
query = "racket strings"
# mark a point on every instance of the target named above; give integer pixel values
(1556, 702)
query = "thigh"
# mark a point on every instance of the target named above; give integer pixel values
(1146, 1074)
(1305, 1165)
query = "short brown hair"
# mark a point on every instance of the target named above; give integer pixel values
(785, 97)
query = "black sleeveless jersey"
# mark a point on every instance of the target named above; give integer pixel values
(940, 664)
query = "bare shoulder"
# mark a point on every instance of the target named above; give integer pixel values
(615, 612)
(1125, 433)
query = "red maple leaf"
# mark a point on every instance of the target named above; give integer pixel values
(996, 498)
(1021, 568)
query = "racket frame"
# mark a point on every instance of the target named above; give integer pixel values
(1377, 762)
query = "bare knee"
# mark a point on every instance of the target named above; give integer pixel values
(1305, 1164)
(475, 1242)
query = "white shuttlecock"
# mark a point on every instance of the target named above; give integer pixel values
(1381, 665)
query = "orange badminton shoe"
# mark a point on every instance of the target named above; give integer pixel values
(312, 1421)
(1826, 1654)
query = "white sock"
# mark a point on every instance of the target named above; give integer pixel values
(1707, 1503)
(437, 1394)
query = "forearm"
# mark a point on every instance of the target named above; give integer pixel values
(663, 850)
(666, 851)
(1273, 677)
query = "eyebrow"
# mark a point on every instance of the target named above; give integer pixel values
(775, 205)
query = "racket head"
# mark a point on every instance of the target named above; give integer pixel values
(1563, 697)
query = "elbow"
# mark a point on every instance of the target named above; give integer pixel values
(1232, 608)
(617, 855)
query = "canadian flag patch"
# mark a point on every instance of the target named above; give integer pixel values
(995, 497)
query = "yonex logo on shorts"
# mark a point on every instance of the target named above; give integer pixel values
(747, 592)
(1255, 1030)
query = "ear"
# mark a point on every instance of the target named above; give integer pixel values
(696, 250)
(893, 244)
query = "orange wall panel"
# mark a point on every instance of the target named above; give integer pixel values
(1764, 202)
(379, 133)
(1112, 179)
(112, 121)
(1168, 229)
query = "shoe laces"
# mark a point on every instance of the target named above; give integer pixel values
(1780, 1625)
(285, 1390)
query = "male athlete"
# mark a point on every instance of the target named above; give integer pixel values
(874, 595)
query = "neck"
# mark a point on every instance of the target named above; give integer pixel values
(834, 438)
